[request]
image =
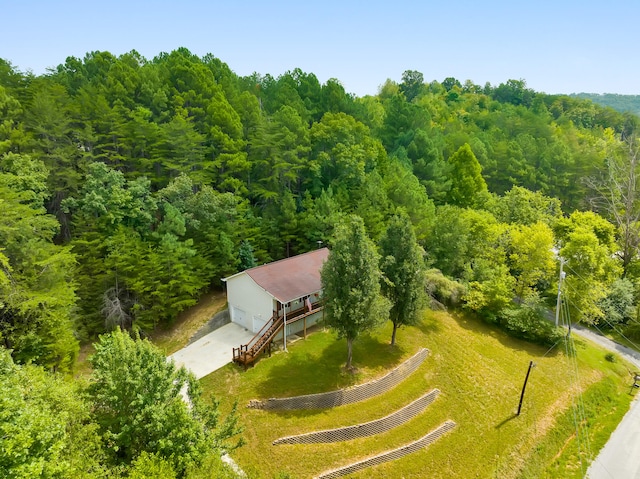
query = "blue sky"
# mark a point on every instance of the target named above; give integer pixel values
(556, 46)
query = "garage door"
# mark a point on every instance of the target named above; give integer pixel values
(240, 317)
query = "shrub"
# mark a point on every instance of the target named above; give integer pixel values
(527, 321)
(633, 330)
(442, 290)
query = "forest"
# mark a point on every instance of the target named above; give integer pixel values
(130, 187)
(623, 103)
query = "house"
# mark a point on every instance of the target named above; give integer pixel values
(288, 289)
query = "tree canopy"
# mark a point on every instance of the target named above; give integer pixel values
(130, 186)
(143, 403)
(402, 266)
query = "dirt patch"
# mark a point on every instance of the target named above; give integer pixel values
(83, 367)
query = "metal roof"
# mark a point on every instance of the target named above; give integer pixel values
(291, 278)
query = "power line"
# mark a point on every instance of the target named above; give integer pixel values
(578, 411)
(612, 326)
(578, 408)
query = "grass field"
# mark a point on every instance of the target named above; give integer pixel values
(480, 373)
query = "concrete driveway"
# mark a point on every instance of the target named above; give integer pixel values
(212, 351)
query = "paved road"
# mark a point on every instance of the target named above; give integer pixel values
(212, 351)
(620, 457)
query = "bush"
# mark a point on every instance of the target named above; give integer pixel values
(442, 290)
(633, 330)
(527, 321)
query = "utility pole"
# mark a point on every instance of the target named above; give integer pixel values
(531, 365)
(562, 275)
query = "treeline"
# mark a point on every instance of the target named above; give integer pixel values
(130, 186)
(622, 103)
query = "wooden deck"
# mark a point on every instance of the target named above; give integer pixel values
(247, 354)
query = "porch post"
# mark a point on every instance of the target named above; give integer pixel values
(284, 328)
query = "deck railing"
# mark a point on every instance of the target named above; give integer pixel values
(247, 353)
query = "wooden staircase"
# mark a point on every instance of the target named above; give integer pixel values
(247, 353)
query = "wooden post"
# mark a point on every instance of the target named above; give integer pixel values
(524, 386)
(305, 326)
(284, 328)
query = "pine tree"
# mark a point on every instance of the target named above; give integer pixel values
(466, 177)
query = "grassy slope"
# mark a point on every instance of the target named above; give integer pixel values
(480, 373)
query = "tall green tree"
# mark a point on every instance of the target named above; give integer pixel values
(412, 84)
(143, 403)
(371, 204)
(37, 297)
(52, 139)
(343, 152)
(351, 284)
(466, 177)
(108, 200)
(319, 219)
(405, 191)
(531, 256)
(11, 133)
(214, 221)
(278, 152)
(588, 245)
(525, 207)
(45, 429)
(403, 270)
(245, 256)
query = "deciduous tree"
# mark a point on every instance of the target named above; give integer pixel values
(403, 269)
(45, 430)
(531, 256)
(617, 196)
(143, 403)
(351, 284)
(587, 247)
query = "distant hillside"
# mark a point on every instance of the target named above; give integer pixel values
(621, 103)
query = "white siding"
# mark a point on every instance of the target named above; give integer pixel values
(245, 296)
(298, 326)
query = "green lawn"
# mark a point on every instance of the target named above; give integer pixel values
(479, 371)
